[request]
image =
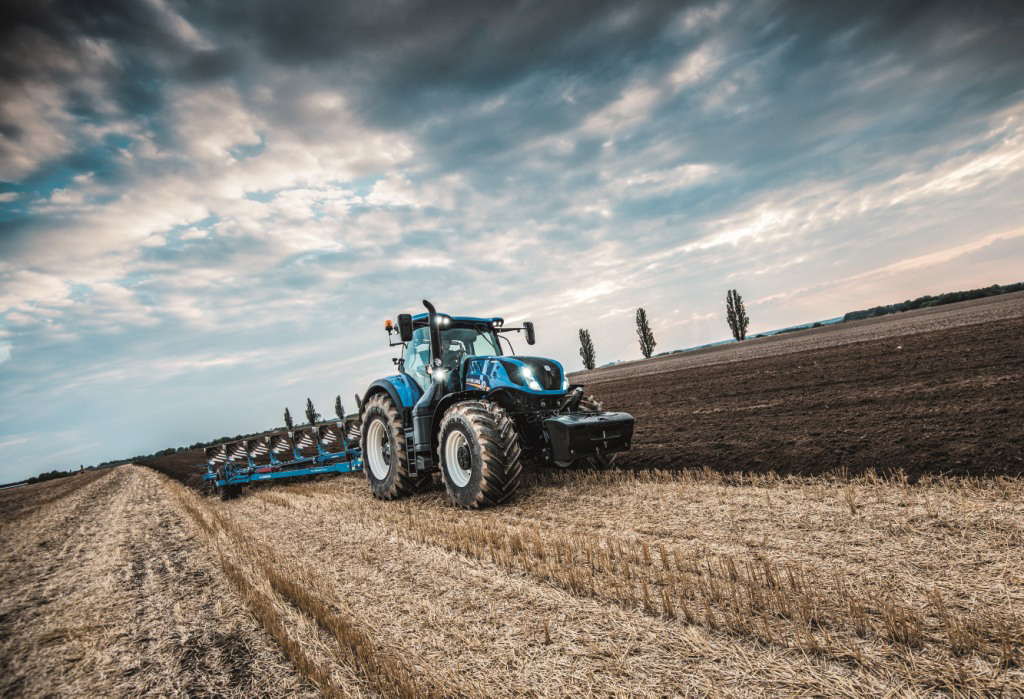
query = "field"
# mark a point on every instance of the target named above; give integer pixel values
(837, 512)
(936, 390)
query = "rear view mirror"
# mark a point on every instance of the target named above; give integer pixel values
(531, 336)
(405, 327)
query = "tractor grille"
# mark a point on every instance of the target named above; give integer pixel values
(547, 372)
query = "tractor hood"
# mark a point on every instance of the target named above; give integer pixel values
(534, 374)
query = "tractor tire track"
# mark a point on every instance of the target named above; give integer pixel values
(108, 595)
(515, 635)
(833, 615)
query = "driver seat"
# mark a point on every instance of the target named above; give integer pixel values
(452, 356)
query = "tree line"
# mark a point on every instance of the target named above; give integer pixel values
(930, 301)
(738, 321)
(313, 417)
(735, 315)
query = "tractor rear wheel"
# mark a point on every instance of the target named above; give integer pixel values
(225, 492)
(228, 492)
(385, 454)
(479, 453)
(599, 461)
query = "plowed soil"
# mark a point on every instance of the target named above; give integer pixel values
(933, 391)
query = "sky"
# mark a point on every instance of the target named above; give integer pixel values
(208, 209)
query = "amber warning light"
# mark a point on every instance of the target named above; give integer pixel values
(387, 326)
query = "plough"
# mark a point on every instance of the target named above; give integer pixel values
(303, 451)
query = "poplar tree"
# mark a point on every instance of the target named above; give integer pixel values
(643, 330)
(288, 419)
(339, 409)
(587, 350)
(311, 414)
(736, 315)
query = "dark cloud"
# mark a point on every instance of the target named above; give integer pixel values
(211, 65)
(428, 67)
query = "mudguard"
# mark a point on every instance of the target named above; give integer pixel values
(402, 389)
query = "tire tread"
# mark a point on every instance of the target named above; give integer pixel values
(403, 484)
(496, 435)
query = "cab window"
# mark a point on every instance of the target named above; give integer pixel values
(417, 357)
(457, 343)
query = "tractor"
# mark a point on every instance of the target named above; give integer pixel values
(461, 406)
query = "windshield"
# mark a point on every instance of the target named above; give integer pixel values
(456, 343)
(470, 342)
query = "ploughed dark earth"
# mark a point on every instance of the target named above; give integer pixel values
(948, 401)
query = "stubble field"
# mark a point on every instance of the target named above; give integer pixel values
(822, 569)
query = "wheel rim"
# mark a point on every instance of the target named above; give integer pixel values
(563, 464)
(378, 450)
(457, 459)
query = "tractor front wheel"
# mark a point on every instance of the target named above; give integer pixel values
(385, 456)
(479, 453)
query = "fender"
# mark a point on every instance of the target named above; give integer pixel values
(402, 390)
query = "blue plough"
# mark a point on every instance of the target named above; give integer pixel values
(304, 451)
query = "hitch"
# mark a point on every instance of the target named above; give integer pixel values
(572, 401)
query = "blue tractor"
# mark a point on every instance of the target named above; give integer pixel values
(460, 406)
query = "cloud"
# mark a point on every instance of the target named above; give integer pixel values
(207, 210)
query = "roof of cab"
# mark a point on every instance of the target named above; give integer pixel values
(457, 319)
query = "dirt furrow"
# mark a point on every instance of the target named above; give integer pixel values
(1009, 307)
(23, 501)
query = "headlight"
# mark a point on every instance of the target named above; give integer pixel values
(440, 375)
(565, 383)
(531, 380)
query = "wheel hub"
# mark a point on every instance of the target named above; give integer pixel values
(458, 459)
(378, 447)
(465, 460)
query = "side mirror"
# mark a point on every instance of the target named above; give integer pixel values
(531, 336)
(405, 327)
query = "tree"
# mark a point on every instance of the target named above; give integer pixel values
(736, 314)
(339, 409)
(643, 330)
(311, 414)
(587, 350)
(288, 419)
(359, 404)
